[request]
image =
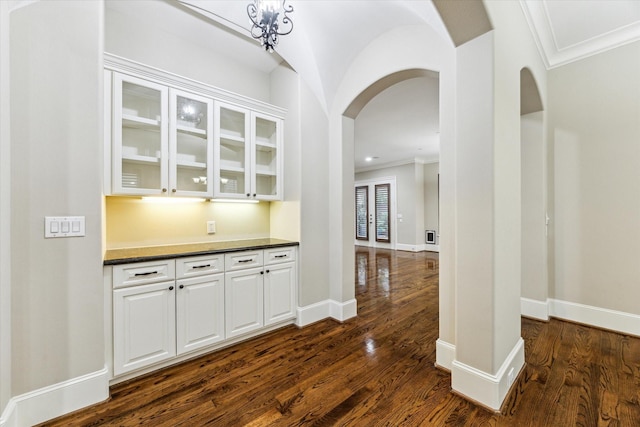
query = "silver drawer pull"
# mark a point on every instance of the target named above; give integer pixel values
(245, 260)
(280, 256)
(201, 266)
(148, 273)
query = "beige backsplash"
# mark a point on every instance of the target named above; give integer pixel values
(133, 222)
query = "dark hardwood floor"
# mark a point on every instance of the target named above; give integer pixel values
(378, 370)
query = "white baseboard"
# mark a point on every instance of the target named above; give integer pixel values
(487, 389)
(613, 320)
(445, 354)
(53, 401)
(340, 311)
(417, 248)
(534, 308)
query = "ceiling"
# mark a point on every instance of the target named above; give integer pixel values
(566, 31)
(328, 35)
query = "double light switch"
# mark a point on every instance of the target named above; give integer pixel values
(63, 226)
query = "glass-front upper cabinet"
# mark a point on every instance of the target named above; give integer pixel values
(162, 140)
(265, 159)
(232, 152)
(247, 154)
(140, 136)
(190, 144)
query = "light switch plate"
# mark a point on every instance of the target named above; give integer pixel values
(211, 227)
(63, 226)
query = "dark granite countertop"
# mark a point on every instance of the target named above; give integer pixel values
(152, 253)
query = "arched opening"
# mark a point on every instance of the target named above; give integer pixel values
(396, 119)
(533, 189)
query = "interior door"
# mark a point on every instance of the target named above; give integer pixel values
(373, 215)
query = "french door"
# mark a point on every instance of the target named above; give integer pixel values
(374, 217)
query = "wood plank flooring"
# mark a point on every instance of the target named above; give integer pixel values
(378, 370)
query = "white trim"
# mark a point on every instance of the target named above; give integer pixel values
(408, 248)
(53, 401)
(613, 320)
(422, 161)
(534, 308)
(130, 67)
(417, 248)
(445, 354)
(340, 311)
(313, 313)
(487, 389)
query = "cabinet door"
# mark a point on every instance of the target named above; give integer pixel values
(140, 143)
(244, 301)
(232, 152)
(279, 293)
(190, 144)
(199, 312)
(143, 326)
(266, 156)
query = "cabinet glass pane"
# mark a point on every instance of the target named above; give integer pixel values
(232, 151)
(141, 137)
(191, 145)
(266, 159)
(231, 182)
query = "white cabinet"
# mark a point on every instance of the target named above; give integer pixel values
(154, 322)
(169, 308)
(248, 157)
(244, 301)
(260, 289)
(280, 282)
(190, 144)
(279, 292)
(140, 136)
(199, 312)
(162, 140)
(143, 326)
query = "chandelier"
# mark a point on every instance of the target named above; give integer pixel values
(264, 17)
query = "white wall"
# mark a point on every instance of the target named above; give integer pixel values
(144, 42)
(406, 190)
(285, 215)
(533, 185)
(316, 233)
(594, 129)
(56, 145)
(417, 199)
(431, 203)
(5, 210)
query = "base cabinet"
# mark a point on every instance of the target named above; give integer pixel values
(169, 308)
(243, 301)
(199, 312)
(143, 326)
(279, 293)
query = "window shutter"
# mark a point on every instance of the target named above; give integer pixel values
(383, 231)
(362, 213)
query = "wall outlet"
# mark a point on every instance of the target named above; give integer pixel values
(211, 227)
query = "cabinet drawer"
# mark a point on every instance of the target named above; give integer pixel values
(199, 266)
(143, 273)
(276, 256)
(240, 260)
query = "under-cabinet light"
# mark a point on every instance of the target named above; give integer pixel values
(234, 201)
(173, 199)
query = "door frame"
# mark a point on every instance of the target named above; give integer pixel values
(393, 217)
